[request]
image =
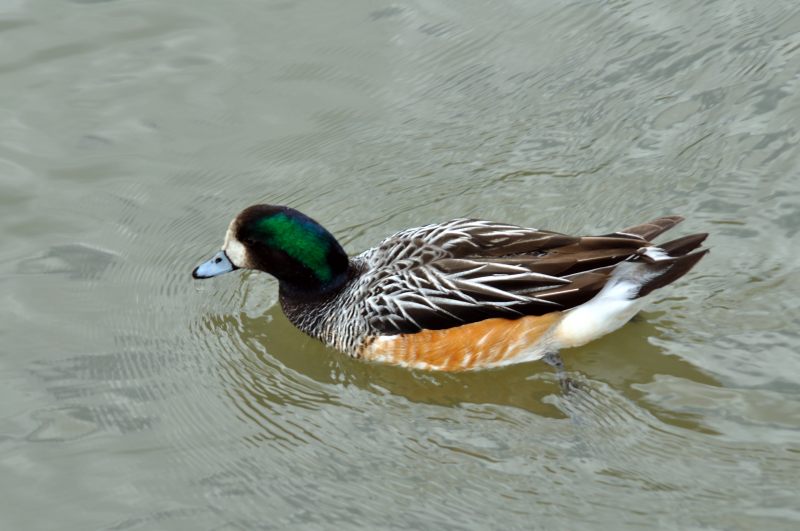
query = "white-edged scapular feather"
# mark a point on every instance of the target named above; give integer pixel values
(655, 254)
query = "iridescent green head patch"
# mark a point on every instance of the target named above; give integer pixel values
(302, 239)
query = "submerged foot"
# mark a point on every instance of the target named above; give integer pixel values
(567, 384)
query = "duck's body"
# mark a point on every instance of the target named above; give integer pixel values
(462, 295)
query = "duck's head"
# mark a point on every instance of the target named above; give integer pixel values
(283, 242)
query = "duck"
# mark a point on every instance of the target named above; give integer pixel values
(462, 295)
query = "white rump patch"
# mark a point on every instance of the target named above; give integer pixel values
(608, 310)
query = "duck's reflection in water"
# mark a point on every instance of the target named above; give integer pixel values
(275, 365)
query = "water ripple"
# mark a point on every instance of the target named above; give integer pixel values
(131, 132)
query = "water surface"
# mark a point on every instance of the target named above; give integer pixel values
(133, 397)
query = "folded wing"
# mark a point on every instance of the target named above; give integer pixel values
(464, 271)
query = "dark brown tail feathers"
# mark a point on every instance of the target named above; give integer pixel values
(651, 229)
(681, 258)
(683, 245)
(671, 270)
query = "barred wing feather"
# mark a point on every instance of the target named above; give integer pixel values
(462, 271)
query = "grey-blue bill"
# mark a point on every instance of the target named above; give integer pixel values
(217, 265)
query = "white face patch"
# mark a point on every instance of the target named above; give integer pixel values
(234, 249)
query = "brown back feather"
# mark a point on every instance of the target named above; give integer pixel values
(651, 229)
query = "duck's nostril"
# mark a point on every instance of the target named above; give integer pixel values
(217, 260)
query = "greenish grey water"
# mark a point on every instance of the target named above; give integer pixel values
(135, 398)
